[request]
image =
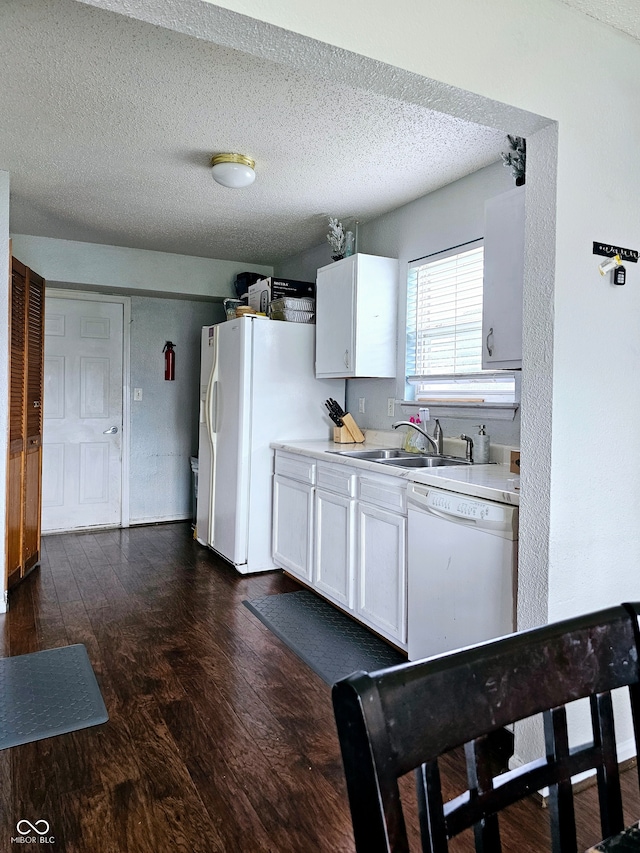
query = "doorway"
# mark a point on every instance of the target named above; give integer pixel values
(86, 417)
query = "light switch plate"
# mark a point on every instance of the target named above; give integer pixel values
(391, 407)
(137, 393)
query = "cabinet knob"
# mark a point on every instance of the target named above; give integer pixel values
(490, 335)
(346, 358)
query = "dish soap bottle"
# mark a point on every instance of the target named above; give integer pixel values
(408, 437)
(413, 439)
(481, 446)
(418, 441)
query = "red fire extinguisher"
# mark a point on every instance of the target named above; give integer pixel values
(169, 361)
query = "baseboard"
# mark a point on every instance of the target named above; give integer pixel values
(158, 519)
(91, 529)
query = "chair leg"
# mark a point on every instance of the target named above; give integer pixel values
(432, 823)
(561, 807)
(609, 793)
(480, 780)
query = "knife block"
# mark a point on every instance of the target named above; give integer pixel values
(350, 433)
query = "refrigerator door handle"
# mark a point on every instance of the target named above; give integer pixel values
(211, 405)
(214, 408)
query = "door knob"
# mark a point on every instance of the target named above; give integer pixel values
(111, 431)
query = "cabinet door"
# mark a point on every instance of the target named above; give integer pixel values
(293, 526)
(381, 571)
(333, 573)
(503, 278)
(335, 321)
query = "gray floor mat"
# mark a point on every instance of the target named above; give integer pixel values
(329, 641)
(48, 693)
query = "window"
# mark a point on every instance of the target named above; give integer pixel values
(444, 330)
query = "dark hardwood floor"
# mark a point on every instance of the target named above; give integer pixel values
(219, 738)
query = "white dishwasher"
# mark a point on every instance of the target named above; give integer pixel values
(462, 566)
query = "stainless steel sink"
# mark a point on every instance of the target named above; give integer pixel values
(376, 455)
(425, 462)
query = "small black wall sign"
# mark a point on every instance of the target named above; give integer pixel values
(608, 251)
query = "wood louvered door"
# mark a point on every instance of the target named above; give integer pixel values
(32, 487)
(15, 467)
(25, 422)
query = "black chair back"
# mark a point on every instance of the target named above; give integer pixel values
(403, 718)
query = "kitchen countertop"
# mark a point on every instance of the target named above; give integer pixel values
(481, 481)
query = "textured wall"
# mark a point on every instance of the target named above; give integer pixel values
(4, 355)
(164, 424)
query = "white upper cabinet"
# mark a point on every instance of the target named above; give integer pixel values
(356, 317)
(503, 276)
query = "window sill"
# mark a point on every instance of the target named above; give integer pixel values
(451, 409)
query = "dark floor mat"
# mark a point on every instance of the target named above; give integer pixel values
(329, 641)
(48, 693)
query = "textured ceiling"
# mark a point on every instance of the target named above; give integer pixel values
(109, 124)
(623, 15)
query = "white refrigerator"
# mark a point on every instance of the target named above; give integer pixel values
(257, 385)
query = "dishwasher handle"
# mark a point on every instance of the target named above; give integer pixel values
(482, 515)
(503, 527)
(455, 519)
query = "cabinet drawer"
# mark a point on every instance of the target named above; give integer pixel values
(387, 492)
(295, 467)
(336, 478)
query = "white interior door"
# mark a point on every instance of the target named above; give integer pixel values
(82, 435)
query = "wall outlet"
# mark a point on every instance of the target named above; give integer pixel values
(137, 393)
(361, 405)
(391, 407)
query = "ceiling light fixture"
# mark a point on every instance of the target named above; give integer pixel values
(233, 170)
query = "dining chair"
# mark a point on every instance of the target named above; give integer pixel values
(404, 718)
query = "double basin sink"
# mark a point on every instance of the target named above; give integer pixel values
(402, 458)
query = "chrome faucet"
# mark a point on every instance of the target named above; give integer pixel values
(423, 432)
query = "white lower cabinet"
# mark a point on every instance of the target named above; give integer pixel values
(293, 526)
(293, 493)
(382, 571)
(345, 536)
(334, 547)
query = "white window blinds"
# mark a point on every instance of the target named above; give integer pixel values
(444, 315)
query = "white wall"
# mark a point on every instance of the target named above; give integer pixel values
(116, 269)
(4, 362)
(447, 217)
(164, 424)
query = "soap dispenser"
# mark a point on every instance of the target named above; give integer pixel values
(481, 446)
